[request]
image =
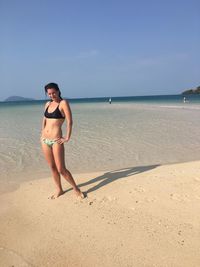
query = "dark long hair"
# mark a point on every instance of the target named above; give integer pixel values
(54, 86)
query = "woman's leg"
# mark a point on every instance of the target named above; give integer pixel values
(48, 153)
(58, 153)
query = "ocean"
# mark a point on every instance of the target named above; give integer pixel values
(132, 131)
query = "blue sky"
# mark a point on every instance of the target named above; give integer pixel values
(97, 48)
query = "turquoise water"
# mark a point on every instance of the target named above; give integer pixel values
(155, 99)
(138, 131)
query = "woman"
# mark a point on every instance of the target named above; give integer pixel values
(56, 111)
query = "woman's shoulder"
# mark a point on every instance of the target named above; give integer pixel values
(47, 104)
(64, 102)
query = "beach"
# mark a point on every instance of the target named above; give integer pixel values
(139, 165)
(144, 216)
(100, 133)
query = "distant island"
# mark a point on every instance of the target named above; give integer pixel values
(192, 91)
(18, 98)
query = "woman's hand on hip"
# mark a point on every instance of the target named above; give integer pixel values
(62, 140)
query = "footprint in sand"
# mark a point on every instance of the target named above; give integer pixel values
(139, 189)
(177, 197)
(10, 257)
(150, 199)
(109, 198)
(112, 198)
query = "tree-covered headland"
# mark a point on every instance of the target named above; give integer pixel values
(192, 91)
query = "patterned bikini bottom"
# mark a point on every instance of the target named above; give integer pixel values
(49, 142)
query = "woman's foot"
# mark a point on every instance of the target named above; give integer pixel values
(79, 194)
(59, 193)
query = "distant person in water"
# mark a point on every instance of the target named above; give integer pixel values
(52, 140)
(185, 100)
(110, 100)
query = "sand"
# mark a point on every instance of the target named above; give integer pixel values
(141, 216)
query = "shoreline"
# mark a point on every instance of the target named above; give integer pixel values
(12, 186)
(140, 216)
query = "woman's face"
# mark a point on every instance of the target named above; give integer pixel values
(53, 93)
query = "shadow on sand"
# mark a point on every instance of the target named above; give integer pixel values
(109, 177)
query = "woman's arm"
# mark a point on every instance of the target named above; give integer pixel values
(68, 115)
(44, 119)
(43, 123)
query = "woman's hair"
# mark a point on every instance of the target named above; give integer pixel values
(54, 86)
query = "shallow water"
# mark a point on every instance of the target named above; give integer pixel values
(104, 137)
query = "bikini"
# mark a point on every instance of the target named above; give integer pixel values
(56, 114)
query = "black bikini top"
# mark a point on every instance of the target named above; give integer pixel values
(56, 114)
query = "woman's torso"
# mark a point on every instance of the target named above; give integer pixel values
(53, 121)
